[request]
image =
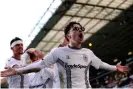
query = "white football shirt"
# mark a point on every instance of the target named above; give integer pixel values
(42, 79)
(56, 83)
(17, 81)
(73, 64)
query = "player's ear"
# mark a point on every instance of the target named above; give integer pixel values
(11, 48)
(68, 36)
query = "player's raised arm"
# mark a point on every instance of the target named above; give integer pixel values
(34, 67)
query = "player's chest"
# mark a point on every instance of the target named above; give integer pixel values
(76, 59)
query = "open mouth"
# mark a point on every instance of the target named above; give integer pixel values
(81, 35)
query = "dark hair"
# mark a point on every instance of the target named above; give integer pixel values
(68, 27)
(32, 55)
(15, 39)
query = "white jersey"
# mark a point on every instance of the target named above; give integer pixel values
(73, 64)
(17, 81)
(56, 83)
(42, 79)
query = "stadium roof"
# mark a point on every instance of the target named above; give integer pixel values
(108, 26)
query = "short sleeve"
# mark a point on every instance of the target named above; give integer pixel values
(6, 63)
(11, 63)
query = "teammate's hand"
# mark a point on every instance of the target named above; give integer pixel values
(31, 50)
(8, 72)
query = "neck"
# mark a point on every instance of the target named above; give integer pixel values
(75, 45)
(17, 56)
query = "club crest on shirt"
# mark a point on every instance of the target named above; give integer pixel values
(67, 57)
(85, 57)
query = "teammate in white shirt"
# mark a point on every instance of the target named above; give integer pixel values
(73, 61)
(17, 81)
(45, 78)
(16, 61)
(42, 79)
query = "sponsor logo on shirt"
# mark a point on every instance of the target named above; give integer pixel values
(75, 66)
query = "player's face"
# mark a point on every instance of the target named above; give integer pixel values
(18, 49)
(76, 34)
